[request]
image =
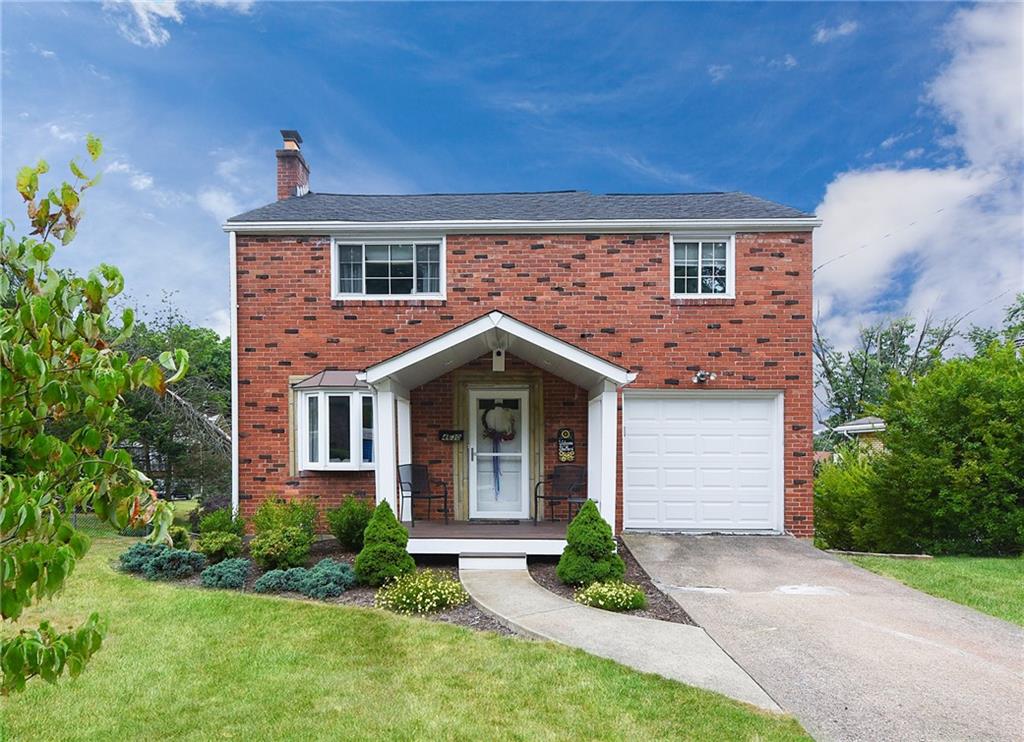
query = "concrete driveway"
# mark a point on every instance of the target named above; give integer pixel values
(853, 655)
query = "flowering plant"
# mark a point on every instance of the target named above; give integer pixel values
(421, 592)
(612, 596)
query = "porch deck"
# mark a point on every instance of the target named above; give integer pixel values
(462, 537)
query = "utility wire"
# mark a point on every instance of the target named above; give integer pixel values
(911, 224)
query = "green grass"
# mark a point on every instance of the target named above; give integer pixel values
(182, 510)
(187, 663)
(988, 584)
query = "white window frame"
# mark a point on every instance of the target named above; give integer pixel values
(440, 240)
(730, 264)
(356, 397)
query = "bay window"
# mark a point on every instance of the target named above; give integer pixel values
(335, 429)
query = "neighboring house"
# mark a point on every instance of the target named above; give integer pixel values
(867, 430)
(669, 333)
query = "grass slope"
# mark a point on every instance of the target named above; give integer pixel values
(990, 585)
(183, 663)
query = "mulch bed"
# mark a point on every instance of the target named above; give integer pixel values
(659, 606)
(468, 615)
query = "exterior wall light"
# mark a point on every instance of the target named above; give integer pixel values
(703, 377)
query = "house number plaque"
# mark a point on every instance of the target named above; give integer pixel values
(451, 436)
(566, 445)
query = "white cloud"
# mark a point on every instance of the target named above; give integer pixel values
(914, 154)
(640, 165)
(44, 53)
(825, 34)
(144, 22)
(787, 62)
(59, 133)
(218, 202)
(137, 179)
(940, 240)
(718, 72)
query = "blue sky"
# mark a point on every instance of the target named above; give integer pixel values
(846, 109)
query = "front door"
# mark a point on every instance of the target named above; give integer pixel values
(499, 473)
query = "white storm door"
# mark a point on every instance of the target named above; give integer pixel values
(499, 471)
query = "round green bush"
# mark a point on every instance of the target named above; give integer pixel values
(229, 574)
(219, 545)
(280, 580)
(180, 537)
(589, 555)
(612, 595)
(349, 521)
(421, 592)
(221, 520)
(378, 563)
(281, 548)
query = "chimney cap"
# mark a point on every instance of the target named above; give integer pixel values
(291, 135)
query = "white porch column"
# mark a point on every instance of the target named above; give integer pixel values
(387, 455)
(404, 442)
(602, 448)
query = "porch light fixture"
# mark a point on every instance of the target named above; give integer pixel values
(703, 377)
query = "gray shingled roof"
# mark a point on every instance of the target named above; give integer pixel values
(549, 206)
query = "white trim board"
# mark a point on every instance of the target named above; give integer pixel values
(233, 291)
(513, 226)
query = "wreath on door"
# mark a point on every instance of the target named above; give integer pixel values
(499, 424)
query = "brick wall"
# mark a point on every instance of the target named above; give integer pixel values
(608, 294)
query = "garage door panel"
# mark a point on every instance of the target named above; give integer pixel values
(704, 464)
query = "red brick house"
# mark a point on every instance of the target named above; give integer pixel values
(665, 337)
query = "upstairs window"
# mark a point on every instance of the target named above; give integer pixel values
(703, 267)
(388, 269)
(335, 429)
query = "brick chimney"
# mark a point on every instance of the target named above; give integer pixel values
(292, 170)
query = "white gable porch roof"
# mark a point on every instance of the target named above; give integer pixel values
(492, 331)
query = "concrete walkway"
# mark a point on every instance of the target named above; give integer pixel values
(853, 655)
(672, 650)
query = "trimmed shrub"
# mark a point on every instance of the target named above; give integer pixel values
(421, 592)
(229, 574)
(589, 555)
(180, 537)
(328, 579)
(207, 505)
(611, 595)
(281, 548)
(135, 558)
(274, 515)
(383, 556)
(219, 545)
(220, 521)
(173, 564)
(276, 581)
(348, 522)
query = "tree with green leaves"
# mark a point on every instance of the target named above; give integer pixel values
(847, 384)
(60, 359)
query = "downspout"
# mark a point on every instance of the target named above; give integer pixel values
(233, 329)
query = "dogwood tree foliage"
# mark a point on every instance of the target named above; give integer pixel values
(59, 359)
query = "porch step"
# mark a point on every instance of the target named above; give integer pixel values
(473, 560)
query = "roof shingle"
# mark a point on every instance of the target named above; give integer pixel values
(544, 206)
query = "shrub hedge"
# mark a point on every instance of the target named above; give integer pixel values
(281, 548)
(348, 522)
(173, 564)
(221, 521)
(219, 545)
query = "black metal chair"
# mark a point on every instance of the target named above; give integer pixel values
(566, 484)
(415, 484)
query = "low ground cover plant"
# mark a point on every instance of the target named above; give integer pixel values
(281, 548)
(611, 595)
(217, 546)
(421, 592)
(383, 555)
(589, 555)
(327, 579)
(221, 521)
(168, 563)
(229, 574)
(348, 522)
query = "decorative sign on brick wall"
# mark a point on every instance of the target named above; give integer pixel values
(566, 445)
(451, 436)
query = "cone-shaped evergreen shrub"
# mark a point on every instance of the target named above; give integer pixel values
(589, 555)
(383, 555)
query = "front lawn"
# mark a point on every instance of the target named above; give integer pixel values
(187, 663)
(991, 585)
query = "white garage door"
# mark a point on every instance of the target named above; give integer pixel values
(705, 462)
